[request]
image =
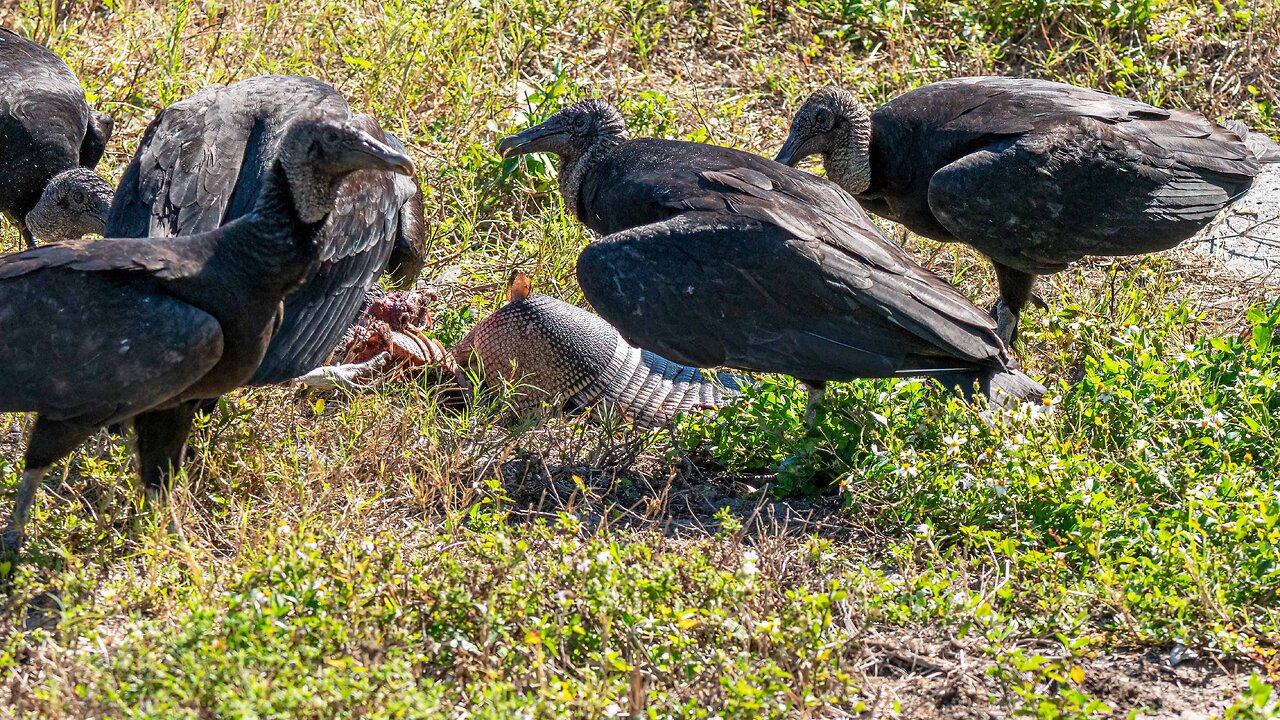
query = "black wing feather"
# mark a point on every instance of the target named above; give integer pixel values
(202, 164)
(715, 256)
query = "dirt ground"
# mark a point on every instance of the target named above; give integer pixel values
(939, 679)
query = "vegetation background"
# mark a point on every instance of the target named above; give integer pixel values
(377, 556)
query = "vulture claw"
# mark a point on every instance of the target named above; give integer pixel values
(348, 376)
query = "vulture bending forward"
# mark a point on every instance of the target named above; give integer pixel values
(716, 257)
(1033, 174)
(50, 141)
(100, 332)
(203, 162)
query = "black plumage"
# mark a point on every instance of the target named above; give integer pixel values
(1033, 174)
(100, 332)
(50, 141)
(202, 163)
(712, 256)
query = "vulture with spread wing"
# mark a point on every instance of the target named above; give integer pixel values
(99, 332)
(204, 160)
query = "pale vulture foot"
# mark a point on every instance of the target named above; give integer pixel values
(1006, 323)
(353, 376)
(816, 395)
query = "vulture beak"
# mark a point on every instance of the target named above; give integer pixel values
(374, 155)
(539, 138)
(794, 149)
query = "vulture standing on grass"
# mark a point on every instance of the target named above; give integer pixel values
(716, 257)
(203, 162)
(101, 332)
(1033, 174)
(50, 141)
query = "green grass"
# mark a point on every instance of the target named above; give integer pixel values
(379, 556)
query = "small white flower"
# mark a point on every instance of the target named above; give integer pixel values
(1214, 422)
(749, 567)
(612, 710)
(582, 565)
(907, 469)
(366, 546)
(953, 443)
(923, 529)
(283, 529)
(603, 556)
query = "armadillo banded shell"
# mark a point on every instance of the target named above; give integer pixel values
(552, 350)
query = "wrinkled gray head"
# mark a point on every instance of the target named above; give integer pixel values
(580, 134)
(833, 124)
(317, 153)
(570, 132)
(73, 204)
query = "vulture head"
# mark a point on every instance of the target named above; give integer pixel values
(73, 204)
(833, 124)
(578, 134)
(316, 154)
(571, 132)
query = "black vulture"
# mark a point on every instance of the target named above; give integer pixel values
(50, 141)
(1033, 174)
(203, 161)
(100, 332)
(717, 257)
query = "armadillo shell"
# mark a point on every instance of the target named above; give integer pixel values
(552, 351)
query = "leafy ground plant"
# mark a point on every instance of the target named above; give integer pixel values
(1111, 553)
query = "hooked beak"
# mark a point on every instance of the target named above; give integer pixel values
(538, 138)
(374, 155)
(795, 149)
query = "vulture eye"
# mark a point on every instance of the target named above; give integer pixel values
(825, 119)
(77, 197)
(581, 123)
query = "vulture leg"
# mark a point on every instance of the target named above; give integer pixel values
(162, 437)
(1015, 292)
(28, 238)
(51, 440)
(817, 391)
(13, 535)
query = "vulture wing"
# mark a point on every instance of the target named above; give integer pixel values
(90, 347)
(360, 236)
(202, 160)
(714, 288)
(201, 165)
(41, 99)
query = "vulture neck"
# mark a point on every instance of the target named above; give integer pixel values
(848, 162)
(577, 164)
(271, 249)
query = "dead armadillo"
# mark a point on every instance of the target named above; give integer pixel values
(551, 350)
